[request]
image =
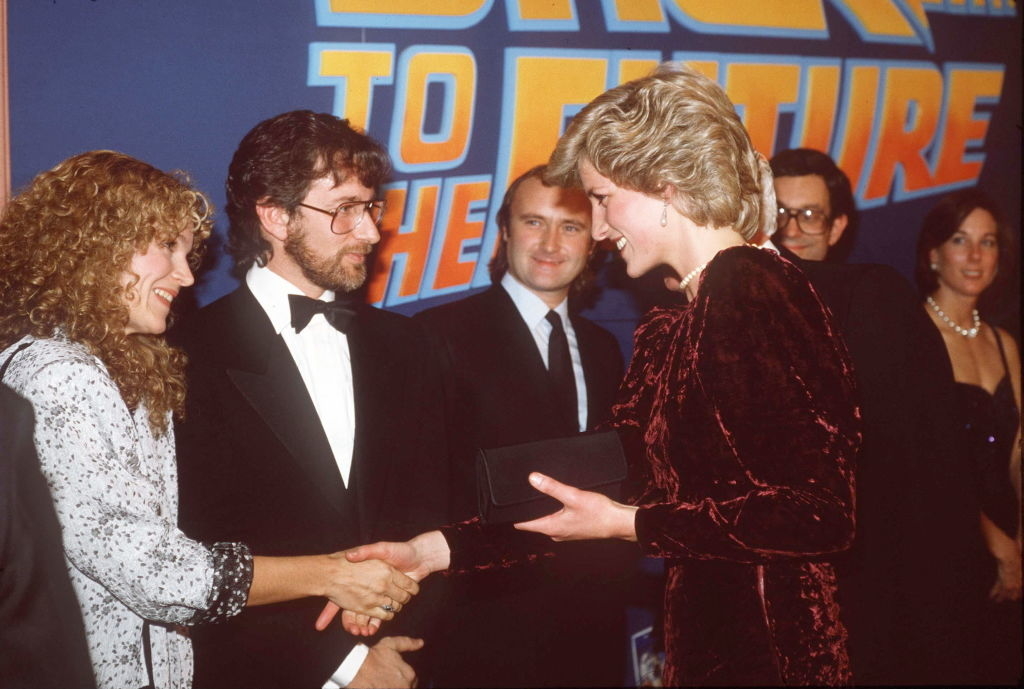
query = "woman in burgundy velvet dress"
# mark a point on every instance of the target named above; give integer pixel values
(738, 411)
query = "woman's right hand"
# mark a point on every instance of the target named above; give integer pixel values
(417, 557)
(372, 587)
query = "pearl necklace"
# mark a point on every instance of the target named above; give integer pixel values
(972, 332)
(691, 275)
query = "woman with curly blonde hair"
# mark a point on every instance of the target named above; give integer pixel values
(94, 252)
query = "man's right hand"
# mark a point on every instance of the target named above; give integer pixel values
(371, 588)
(417, 557)
(384, 666)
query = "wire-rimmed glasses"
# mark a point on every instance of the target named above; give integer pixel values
(346, 217)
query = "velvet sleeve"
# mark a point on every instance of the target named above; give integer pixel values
(770, 396)
(476, 546)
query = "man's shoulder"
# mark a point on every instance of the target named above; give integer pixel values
(470, 316)
(586, 326)
(454, 311)
(846, 283)
(382, 321)
(219, 324)
(853, 274)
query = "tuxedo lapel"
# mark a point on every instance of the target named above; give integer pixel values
(258, 363)
(379, 377)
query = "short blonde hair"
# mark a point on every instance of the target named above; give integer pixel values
(67, 241)
(674, 127)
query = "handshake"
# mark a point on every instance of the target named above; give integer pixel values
(390, 571)
(371, 583)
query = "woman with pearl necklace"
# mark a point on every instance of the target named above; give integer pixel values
(963, 247)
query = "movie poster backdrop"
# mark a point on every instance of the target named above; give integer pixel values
(913, 98)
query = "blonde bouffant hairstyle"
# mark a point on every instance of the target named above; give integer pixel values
(673, 127)
(66, 245)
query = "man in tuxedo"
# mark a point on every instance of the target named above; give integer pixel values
(41, 631)
(314, 422)
(916, 521)
(526, 368)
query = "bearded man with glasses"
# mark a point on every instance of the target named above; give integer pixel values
(312, 418)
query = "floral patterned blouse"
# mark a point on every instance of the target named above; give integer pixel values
(114, 485)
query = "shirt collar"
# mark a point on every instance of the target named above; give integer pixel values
(531, 307)
(271, 291)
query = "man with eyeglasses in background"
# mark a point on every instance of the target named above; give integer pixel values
(815, 202)
(314, 422)
(898, 586)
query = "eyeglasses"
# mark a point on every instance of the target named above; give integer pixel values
(346, 217)
(809, 220)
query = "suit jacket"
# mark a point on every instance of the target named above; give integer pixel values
(560, 622)
(255, 466)
(503, 394)
(901, 588)
(41, 630)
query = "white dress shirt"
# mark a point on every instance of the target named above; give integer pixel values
(322, 356)
(533, 311)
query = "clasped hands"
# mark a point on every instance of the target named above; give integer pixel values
(371, 587)
(584, 515)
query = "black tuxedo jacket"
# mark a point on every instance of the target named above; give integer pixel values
(255, 466)
(900, 587)
(559, 622)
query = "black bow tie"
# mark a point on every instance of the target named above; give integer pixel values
(339, 313)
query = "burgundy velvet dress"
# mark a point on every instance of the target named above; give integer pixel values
(738, 413)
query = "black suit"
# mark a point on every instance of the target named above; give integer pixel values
(901, 592)
(255, 466)
(560, 622)
(41, 633)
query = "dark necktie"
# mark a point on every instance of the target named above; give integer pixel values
(563, 379)
(338, 313)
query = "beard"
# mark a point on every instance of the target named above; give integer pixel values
(327, 272)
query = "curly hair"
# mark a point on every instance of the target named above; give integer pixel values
(66, 244)
(278, 160)
(674, 127)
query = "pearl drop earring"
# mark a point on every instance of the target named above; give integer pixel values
(664, 214)
(934, 267)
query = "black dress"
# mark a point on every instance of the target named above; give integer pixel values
(989, 425)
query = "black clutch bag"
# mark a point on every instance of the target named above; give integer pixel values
(591, 461)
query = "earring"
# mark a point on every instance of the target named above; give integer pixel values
(935, 267)
(664, 214)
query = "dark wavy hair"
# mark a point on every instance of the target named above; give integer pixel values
(797, 162)
(943, 220)
(278, 160)
(67, 241)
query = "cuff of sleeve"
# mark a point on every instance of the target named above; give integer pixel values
(475, 546)
(349, 668)
(648, 534)
(232, 578)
